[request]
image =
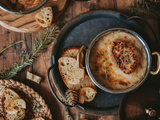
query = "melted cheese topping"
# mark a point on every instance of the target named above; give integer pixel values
(104, 67)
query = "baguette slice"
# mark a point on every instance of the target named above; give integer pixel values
(70, 52)
(39, 118)
(45, 16)
(70, 71)
(16, 105)
(7, 96)
(86, 82)
(86, 94)
(16, 116)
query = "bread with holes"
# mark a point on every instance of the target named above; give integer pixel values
(86, 94)
(70, 71)
(45, 16)
(16, 105)
(7, 96)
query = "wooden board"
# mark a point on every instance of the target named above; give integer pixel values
(27, 23)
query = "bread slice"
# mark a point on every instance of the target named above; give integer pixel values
(45, 16)
(16, 116)
(86, 94)
(38, 118)
(7, 96)
(70, 52)
(86, 82)
(70, 71)
(16, 105)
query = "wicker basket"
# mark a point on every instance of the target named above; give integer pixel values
(36, 106)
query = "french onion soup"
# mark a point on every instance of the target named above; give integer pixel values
(118, 60)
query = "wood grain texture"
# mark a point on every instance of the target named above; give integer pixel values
(41, 65)
(26, 22)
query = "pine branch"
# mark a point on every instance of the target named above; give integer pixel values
(145, 8)
(11, 45)
(40, 45)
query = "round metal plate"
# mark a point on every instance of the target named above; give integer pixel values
(81, 31)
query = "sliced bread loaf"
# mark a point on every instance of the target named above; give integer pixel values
(86, 82)
(7, 96)
(45, 16)
(70, 71)
(86, 94)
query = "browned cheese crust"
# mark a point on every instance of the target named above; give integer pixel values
(126, 56)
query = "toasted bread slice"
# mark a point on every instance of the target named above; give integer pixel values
(16, 105)
(70, 71)
(38, 118)
(86, 94)
(86, 82)
(7, 96)
(16, 116)
(45, 16)
(70, 52)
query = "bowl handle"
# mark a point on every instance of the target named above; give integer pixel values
(156, 37)
(158, 63)
(52, 89)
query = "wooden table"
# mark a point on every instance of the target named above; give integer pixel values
(41, 65)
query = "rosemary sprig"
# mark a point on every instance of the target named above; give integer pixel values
(44, 39)
(11, 45)
(145, 8)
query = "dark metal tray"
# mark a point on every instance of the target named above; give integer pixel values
(81, 31)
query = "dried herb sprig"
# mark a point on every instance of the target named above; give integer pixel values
(145, 8)
(11, 45)
(44, 39)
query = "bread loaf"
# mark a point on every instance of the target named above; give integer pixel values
(45, 16)
(70, 71)
(86, 94)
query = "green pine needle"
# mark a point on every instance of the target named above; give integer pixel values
(45, 38)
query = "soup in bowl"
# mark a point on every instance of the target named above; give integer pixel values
(118, 60)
